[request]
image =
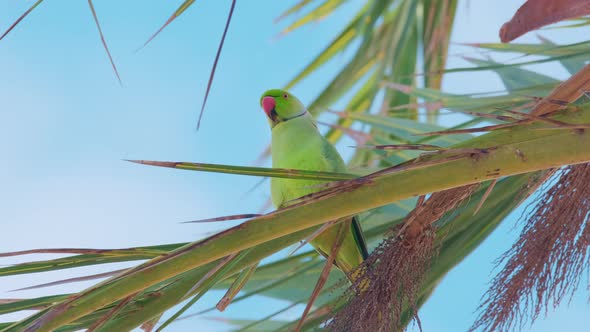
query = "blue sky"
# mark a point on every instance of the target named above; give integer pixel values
(66, 125)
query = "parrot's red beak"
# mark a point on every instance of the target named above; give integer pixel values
(268, 104)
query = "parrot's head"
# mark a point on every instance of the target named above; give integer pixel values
(281, 106)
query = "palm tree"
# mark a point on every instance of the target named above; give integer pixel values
(428, 191)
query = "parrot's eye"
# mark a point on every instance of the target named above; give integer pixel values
(285, 96)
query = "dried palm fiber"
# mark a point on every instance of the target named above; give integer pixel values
(391, 277)
(547, 263)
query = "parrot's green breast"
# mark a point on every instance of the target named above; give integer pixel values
(297, 144)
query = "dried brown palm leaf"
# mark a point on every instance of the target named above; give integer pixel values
(537, 13)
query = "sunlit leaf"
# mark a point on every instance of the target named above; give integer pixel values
(253, 171)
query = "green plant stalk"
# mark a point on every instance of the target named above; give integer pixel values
(176, 292)
(515, 151)
(172, 294)
(204, 285)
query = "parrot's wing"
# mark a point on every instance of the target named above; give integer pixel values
(359, 237)
(359, 244)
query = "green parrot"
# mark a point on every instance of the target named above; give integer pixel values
(297, 144)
